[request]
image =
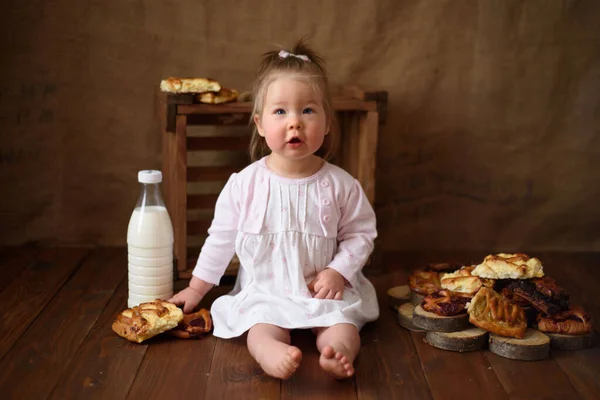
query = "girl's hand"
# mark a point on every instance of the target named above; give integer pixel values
(191, 296)
(188, 298)
(328, 284)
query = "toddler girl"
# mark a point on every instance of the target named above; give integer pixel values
(302, 229)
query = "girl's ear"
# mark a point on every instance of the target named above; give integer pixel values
(258, 125)
(328, 129)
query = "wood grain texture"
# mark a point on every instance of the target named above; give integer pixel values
(310, 381)
(447, 373)
(33, 289)
(105, 365)
(388, 366)
(235, 374)
(178, 212)
(46, 348)
(13, 260)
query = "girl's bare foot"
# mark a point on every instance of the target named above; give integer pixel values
(280, 360)
(336, 363)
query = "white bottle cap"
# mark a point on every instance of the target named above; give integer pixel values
(149, 176)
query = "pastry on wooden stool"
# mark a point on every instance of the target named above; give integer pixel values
(222, 96)
(147, 320)
(189, 85)
(193, 326)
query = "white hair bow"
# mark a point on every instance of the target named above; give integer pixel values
(286, 54)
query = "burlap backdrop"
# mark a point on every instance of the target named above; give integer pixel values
(491, 140)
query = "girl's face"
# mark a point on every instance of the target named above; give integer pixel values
(293, 121)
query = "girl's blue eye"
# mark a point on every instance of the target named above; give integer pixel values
(279, 111)
(307, 111)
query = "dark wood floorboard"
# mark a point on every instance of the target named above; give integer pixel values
(46, 348)
(13, 260)
(235, 375)
(388, 365)
(309, 381)
(172, 363)
(105, 365)
(56, 341)
(33, 289)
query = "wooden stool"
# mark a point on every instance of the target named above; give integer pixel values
(359, 113)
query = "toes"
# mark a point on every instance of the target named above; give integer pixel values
(328, 352)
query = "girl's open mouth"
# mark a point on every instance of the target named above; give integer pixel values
(295, 142)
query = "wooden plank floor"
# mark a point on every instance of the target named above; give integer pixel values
(57, 305)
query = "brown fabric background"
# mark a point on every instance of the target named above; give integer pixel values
(492, 139)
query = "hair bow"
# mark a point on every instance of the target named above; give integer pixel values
(286, 54)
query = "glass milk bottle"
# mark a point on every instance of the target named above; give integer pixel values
(150, 244)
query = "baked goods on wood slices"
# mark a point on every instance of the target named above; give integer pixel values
(147, 320)
(398, 295)
(509, 266)
(445, 303)
(434, 322)
(492, 312)
(423, 283)
(462, 281)
(189, 85)
(542, 293)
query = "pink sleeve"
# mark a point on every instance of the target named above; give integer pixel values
(356, 233)
(219, 247)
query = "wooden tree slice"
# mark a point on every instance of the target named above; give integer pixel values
(398, 295)
(560, 341)
(416, 298)
(433, 322)
(405, 317)
(534, 346)
(466, 340)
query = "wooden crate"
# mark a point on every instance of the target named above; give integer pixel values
(360, 112)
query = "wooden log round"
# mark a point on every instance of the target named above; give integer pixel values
(405, 317)
(416, 298)
(534, 346)
(398, 295)
(433, 322)
(466, 340)
(560, 341)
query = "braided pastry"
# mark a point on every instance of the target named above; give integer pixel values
(424, 282)
(193, 325)
(445, 303)
(492, 312)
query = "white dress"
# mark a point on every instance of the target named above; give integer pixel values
(277, 264)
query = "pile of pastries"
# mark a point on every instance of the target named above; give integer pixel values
(503, 295)
(205, 90)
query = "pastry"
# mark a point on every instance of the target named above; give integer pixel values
(193, 325)
(509, 266)
(220, 97)
(147, 320)
(542, 293)
(574, 321)
(492, 312)
(462, 281)
(189, 85)
(424, 282)
(445, 303)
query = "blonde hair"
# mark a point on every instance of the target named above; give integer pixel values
(312, 72)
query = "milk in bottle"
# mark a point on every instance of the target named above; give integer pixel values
(150, 244)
